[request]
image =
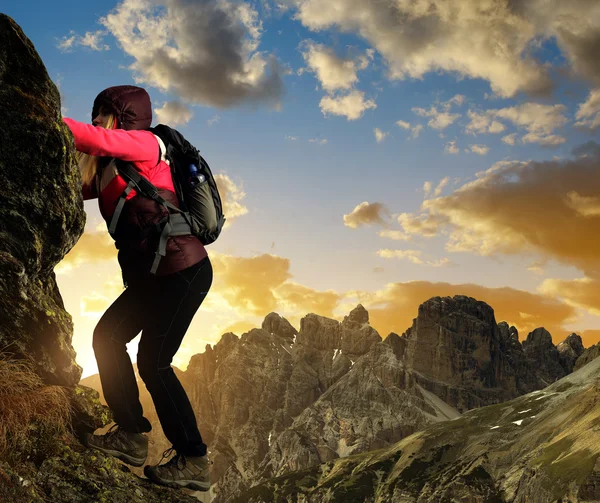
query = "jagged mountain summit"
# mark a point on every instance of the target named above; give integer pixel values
(277, 400)
(542, 447)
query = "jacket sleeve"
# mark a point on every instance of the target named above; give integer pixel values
(134, 146)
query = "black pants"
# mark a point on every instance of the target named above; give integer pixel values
(162, 307)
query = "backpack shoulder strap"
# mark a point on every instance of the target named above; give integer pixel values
(142, 185)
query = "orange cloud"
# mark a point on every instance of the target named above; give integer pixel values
(248, 284)
(580, 292)
(526, 207)
(590, 337)
(91, 247)
(365, 214)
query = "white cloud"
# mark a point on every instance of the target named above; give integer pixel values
(173, 113)
(213, 120)
(510, 139)
(320, 141)
(352, 105)
(334, 73)
(483, 122)
(403, 124)
(549, 140)
(537, 119)
(380, 135)
(416, 131)
(91, 40)
(479, 149)
(292, 138)
(427, 186)
(588, 114)
(451, 147)
(439, 120)
(176, 44)
(443, 182)
(466, 37)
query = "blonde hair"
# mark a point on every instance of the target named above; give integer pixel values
(88, 164)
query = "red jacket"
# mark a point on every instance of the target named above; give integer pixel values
(136, 250)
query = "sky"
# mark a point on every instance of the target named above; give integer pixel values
(372, 152)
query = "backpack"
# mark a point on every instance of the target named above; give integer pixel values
(201, 208)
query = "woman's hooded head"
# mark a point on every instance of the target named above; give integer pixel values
(130, 105)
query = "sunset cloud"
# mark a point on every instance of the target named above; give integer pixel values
(579, 292)
(366, 214)
(547, 209)
(395, 235)
(91, 247)
(443, 182)
(423, 225)
(413, 256)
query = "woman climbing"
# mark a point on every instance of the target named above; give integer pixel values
(160, 305)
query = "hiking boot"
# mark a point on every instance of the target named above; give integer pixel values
(181, 471)
(132, 448)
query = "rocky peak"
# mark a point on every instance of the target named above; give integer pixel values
(509, 335)
(398, 344)
(358, 316)
(455, 340)
(569, 351)
(541, 350)
(277, 325)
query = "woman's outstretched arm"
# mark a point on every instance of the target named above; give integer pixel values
(134, 146)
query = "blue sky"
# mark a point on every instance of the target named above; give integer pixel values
(309, 188)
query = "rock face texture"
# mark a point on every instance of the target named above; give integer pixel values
(569, 352)
(540, 448)
(587, 356)
(41, 218)
(41, 210)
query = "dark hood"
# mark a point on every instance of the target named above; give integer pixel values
(130, 104)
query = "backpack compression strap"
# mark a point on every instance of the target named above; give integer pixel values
(176, 225)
